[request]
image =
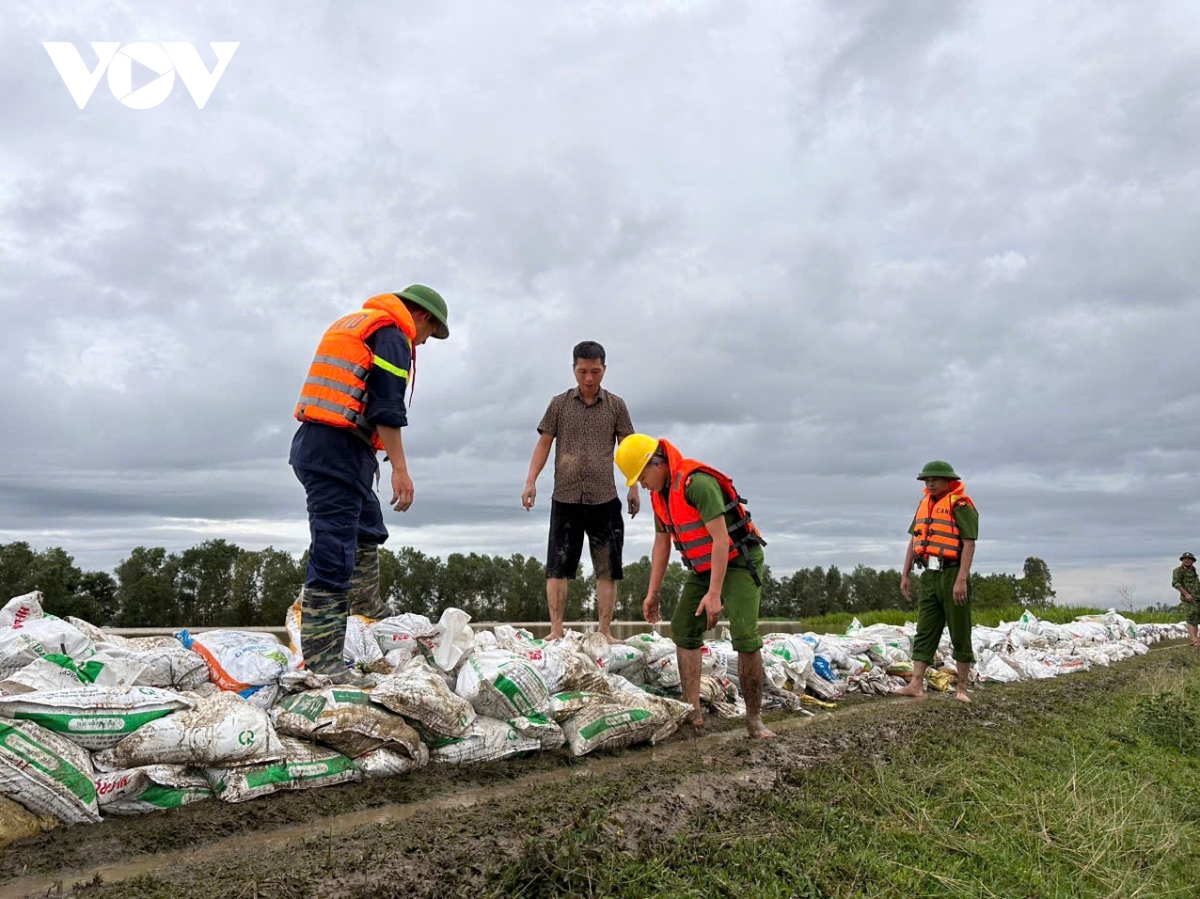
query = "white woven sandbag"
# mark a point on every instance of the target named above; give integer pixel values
(305, 766)
(222, 729)
(389, 763)
(609, 726)
(150, 788)
(484, 740)
(94, 717)
(502, 685)
(345, 719)
(46, 773)
(418, 692)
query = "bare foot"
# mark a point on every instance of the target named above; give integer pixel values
(552, 636)
(914, 690)
(758, 730)
(612, 641)
(961, 696)
(695, 719)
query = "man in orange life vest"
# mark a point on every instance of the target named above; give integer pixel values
(698, 508)
(944, 531)
(352, 406)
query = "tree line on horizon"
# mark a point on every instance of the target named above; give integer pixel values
(220, 584)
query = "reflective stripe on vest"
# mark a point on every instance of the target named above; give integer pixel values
(335, 390)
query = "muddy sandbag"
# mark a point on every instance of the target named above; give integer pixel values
(621, 656)
(150, 789)
(418, 692)
(652, 645)
(668, 713)
(94, 717)
(609, 726)
(170, 666)
(305, 766)
(484, 740)
(59, 672)
(19, 823)
(390, 763)
(46, 773)
(345, 719)
(564, 705)
(541, 728)
(502, 685)
(34, 638)
(563, 668)
(222, 729)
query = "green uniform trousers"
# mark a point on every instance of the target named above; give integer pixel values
(937, 610)
(740, 596)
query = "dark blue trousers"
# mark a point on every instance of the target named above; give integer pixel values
(341, 515)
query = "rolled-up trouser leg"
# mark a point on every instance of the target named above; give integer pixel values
(365, 598)
(323, 630)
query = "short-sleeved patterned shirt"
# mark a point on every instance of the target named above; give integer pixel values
(585, 437)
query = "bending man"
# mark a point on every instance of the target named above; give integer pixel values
(698, 508)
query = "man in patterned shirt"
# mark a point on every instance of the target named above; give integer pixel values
(1187, 582)
(587, 422)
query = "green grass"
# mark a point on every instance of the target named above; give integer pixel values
(837, 622)
(1094, 795)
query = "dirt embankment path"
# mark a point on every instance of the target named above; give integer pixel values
(450, 831)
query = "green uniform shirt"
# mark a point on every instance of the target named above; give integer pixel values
(1187, 578)
(966, 517)
(705, 496)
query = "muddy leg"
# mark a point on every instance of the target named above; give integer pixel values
(750, 676)
(689, 681)
(963, 670)
(1192, 635)
(915, 689)
(556, 598)
(606, 601)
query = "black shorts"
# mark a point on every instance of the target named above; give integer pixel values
(605, 531)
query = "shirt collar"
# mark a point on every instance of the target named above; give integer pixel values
(577, 394)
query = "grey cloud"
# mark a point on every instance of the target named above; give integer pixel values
(821, 243)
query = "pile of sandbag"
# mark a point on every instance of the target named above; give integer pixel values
(95, 724)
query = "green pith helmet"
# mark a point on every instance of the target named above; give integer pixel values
(1187, 556)
(937, 469)
(431, 301)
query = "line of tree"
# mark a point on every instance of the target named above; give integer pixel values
(219, 584)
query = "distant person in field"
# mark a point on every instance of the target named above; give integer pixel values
(1187, 582)
(587, 422)
(944, 531)
(352, 406)
(697, 508)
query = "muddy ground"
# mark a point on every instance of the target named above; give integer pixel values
(448, 831)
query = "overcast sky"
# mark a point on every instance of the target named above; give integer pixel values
(821, 242)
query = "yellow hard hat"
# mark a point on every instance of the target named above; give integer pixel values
(632, 455)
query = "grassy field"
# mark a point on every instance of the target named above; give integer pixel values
(1094, 795)
(837, 622)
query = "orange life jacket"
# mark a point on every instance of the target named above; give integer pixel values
(935, 533)
(684, 523)
(335, 391)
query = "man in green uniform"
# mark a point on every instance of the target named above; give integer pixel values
(1187, 582)
(944, 531)
(698, 507)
